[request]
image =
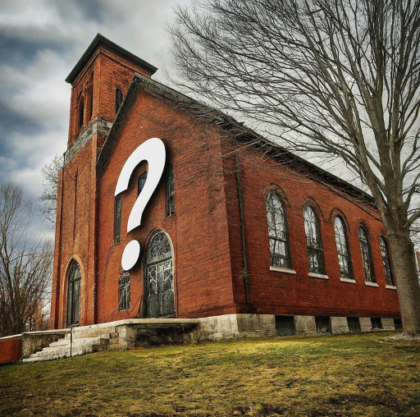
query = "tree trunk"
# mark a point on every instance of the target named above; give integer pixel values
(405, 273)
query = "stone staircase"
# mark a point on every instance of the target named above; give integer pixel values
(114, 336)
(88, 339)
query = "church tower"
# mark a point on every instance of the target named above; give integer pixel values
(99, 81)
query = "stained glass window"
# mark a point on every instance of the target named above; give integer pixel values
(386, 262)
(277, 231)
(366, 255)
(342, 247)
(313, 241)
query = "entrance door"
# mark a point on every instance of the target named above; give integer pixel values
(160, 299)
(73, 295)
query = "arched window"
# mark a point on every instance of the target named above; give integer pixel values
(277, 231)
(313, 241)
(366, 255)
(81, 111)
(124, 292)
(118, 99)
(160, 298)
(386, 261)
(73, 294)
(141, 182)
(91, 98)
(342, 247)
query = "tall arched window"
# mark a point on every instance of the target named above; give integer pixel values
(73, 294)
(277, 231)
(342, 243)
(386, 262)
(366, 255)
(160, 298)
(313, 241)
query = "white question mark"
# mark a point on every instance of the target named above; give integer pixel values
(153, 151)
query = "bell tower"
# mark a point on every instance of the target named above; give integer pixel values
(99, 81)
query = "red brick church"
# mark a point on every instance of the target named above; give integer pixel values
(247, 235)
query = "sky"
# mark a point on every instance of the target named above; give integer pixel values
(40, 43)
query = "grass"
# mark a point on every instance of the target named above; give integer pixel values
(347, 375)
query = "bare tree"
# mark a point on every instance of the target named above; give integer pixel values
(48, 198)
(339, 78)
(25, 266)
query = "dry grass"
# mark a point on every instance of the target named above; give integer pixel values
(349, 375)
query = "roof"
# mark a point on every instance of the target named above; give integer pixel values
(238, 130)
(100, 40)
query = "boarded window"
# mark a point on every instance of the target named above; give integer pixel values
(285, 326)
(313, 241)
(366, 255)
(277, 231)
(170, 191)
(342, 244)
(124, 292)
(386, 261)
(117, 219)
(118, 99)
(141, 182)
(353, 323)
(322, 324)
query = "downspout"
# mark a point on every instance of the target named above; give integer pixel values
(244, 274)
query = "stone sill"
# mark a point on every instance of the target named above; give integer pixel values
(315, 275)
(391, 287)
(283, 270)
(371, 284)
(349, 280)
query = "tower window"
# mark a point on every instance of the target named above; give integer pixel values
(170, 191)
(313, 241)
(118, 99)
(117, 219)
(277, 231)
(81, 112)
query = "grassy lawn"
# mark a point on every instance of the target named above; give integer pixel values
(348, 375)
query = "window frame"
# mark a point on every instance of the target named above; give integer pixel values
(367, 255)
(311, 249)
(271, 237)
(348, 275)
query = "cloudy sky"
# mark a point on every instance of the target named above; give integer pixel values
(40, 42)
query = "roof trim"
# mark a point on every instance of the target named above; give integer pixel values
(100, 40)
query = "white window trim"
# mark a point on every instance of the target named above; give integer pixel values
(349, 280)
(371, 284)
(283, 270)
(391, 287)
(315, 275)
